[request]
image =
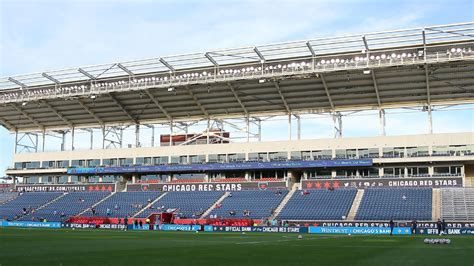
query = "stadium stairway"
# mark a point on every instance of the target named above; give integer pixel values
(44, 205)
(285, 201)
(219, 201)
(355, 205)
(149, 205)
(7, 198)
(97, 203)
(49, 202)
(436, 206)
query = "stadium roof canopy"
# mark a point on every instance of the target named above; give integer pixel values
(413, 67)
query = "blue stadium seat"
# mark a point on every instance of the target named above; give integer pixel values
(395, 203)
(69, 205)
(28, 200)
(259, 203)
(190, 204)
(124, 204)
(319, 204)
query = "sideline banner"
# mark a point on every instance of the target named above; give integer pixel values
(112, 226)
(256, 229)
(108, 187)
(434, 182)
(449, 231)
(31, 224)
(219, 166)
(177, 227)
(359, 230)
(79, 226)
(214, 186)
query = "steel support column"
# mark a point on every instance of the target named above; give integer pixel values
(430, 120)
(337, 118)
(73, 131)
(382, 121)
(289, 126)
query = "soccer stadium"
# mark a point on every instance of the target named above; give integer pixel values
(126, 154)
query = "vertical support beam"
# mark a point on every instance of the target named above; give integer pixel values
(92, 139)
(247, 120)
(337, 118)
(43, 140)
(16, 141)
(36, 142)
(171, 133)
(63, 141)
(207, 130)
(121, 137)
(298, 120)
(289, 126)
(137, 135)
(259, 130)
(73, 131)
(103, 137)
(430, 120)
(382, 121)
(153, 135)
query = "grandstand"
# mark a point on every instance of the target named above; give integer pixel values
(211, 159)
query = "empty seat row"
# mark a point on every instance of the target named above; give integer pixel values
(396, 204)
(254, 204)
(319, 204)
(457, 204)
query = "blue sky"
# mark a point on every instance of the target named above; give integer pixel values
(43, 35)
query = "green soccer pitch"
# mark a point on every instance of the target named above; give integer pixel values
(106, 247)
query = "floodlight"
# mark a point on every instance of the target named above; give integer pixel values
(366, 72)
(394, 55)
(170, 89)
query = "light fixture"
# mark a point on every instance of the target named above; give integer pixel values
(93, 96)
(23, 103)
(170, 89)
(261, 80)
(366, 71)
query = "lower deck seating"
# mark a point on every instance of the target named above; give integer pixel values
(187, 204)
(6, 196)
(69, 205)
(319, 204)
(395, 203)
(29, 201)
(124, 204)
(457, 204)
(259, 204)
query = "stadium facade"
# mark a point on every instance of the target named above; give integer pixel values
(424, 69)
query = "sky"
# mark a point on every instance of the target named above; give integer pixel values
(46, 35)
